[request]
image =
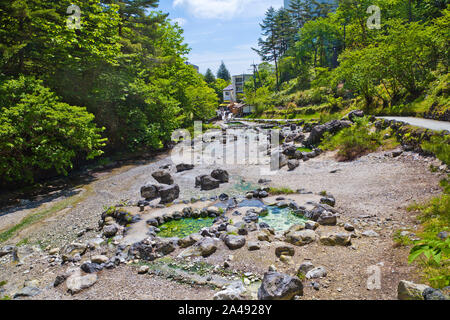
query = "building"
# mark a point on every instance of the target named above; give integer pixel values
(228, 94)
(238, 84)
(235, 90)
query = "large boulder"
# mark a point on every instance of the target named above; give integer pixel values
(169, 193)
(339, 239)
(279, 286)
(300, 238)
(292, 164)
(220, 175)
(234, 242)
(184, 167)
(208, 183)
(332, 127)
(408, 290)
(150, 191)
(162, 176)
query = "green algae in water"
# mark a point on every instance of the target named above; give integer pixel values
(281, 218)
(184, 227)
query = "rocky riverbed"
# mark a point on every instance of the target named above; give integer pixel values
(100, 240)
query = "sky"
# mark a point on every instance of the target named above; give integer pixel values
(217, 30)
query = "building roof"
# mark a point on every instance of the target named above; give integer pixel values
(229, 88)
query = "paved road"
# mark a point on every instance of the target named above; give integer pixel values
(423, 123)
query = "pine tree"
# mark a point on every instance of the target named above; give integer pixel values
(269, 46)
(209, 76)
(223, 73)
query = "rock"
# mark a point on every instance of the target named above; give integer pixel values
(349, 227)
(370, 233)
(220, 175)
(152, 222)
(327, 219)
(163, 176)
(301, 238)
(143, 269)
(410, 291)
(110, 231)
(143, 250)
(311, 225)
(27, 292)
(264, 235)
(99, 259)
(328, 200)
(352, 115)
(233, 292)
(318, 131)
(76, 283)
(286, 259)
(277, 160)
(150, 191)
(6, 250)
(90, 267)
(316, 273)
(186, 242)
(433, 294)
(169, 193)
(292, 164)
(340, 239)
(284, 250)
(69, 251)
(184, 167)
(253, 246)
(53, 251)
(441, 235)
(305, 267)
(209, 183)
(279, 286)
(165, 246)
(234, 242)
(61, 278)
(223, 197)
(198, 180)
(205, 247)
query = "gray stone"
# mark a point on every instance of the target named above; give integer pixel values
(327, 219)
(110, 231)
(27, 292)
(305, 267)
(234, 242)
(6, 250)
(279, 286)
(410, 291)
(301, 238)
(433, 294)
(349, 227)
(99, 259)
(184, 167)
(162, 176)
(150, 191)
(169, 193)
(220, 175)
(253, 246)
(316, 273)
(209, 183)
(205, 247)
(76, 283)
(284, 250)
(370, 233)
(293, 164)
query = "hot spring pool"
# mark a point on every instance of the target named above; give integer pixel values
(184, 227)
(281, 218)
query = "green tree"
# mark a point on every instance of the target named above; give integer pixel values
(209, 76)
(223, 72)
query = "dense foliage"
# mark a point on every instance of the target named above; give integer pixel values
(124, 70)
(388, 68)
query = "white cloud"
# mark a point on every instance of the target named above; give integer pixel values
(226, 9)
(181, 21)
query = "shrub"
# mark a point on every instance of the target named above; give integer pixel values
(353, 142)
(440, 147)
(38, 132)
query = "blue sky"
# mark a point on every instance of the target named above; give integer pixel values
(219, 30)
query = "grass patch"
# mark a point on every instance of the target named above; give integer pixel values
(2, 283)
(431, 252)
(401, 240)
(353, 142)
(284, 190)
(303, 149)
(39, 215)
